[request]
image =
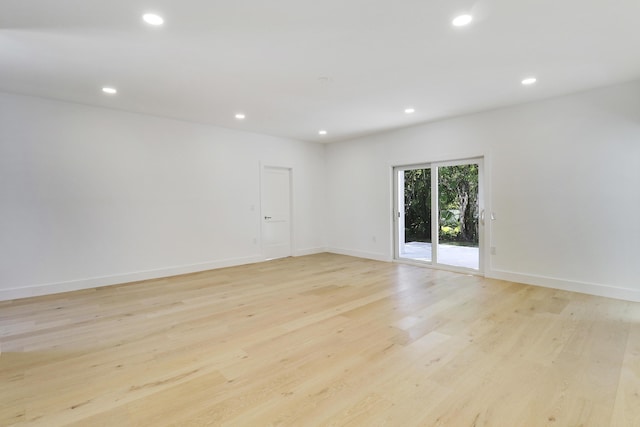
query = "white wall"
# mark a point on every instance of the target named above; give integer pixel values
(91, 196)
(563, 179)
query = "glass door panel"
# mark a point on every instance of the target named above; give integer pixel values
(414, 214)
(459, 212)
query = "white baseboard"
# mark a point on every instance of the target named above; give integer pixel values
(360, 254)
(596, 289)
(567, 285)
(309, 251)
(94, 282)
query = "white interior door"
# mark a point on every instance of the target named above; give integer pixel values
(276, 212)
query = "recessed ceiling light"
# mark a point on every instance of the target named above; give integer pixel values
(240, 116)
(110, 90)
(529, 81)
(409, 110)
(462, 20)
(322, 132)
(153, 19)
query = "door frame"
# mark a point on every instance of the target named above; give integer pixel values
(483, 223)
(396, 212)
(264, 166)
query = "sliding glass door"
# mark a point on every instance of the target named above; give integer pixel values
(414, 214)
(458, 233)
(438, 213)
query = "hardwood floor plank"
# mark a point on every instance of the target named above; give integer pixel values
(320, 340)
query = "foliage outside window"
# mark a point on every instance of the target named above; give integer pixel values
(458, 203)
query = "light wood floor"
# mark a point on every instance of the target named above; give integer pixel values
(320, 340)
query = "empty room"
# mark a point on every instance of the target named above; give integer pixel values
(320, 213)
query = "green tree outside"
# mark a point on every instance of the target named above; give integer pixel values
(458, 204)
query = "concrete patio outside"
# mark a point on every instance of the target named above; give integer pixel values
(458, 256)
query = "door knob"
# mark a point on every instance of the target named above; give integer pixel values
(267, 217)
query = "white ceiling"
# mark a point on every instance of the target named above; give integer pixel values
(215, 58)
